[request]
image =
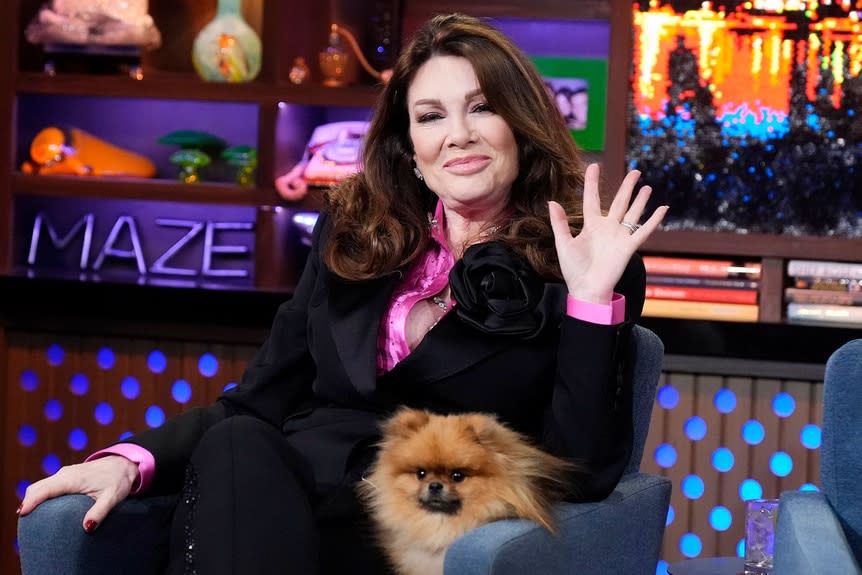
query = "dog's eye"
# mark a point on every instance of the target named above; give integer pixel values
(420, 474)
(457, 476)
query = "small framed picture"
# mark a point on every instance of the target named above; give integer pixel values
(579, 87)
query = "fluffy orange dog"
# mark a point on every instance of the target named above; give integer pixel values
(437, 477)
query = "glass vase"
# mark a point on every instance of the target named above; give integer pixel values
(227, 49)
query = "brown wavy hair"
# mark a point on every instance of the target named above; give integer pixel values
(379, 217)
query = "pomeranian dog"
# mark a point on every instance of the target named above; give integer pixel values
(436, 477)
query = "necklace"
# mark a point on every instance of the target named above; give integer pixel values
(440, 303)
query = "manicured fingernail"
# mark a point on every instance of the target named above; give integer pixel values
(18, 511)
(90, 526)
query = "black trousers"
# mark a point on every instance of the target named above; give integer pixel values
(250, 506)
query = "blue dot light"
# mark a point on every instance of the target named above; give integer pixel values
(154, 416)
(53, 410)
(810, 436)
(695, 428)
(783, 404)
(28, 380)
(21, 488)
(781, 464)
(665, 455)
(740, 548)
(105, 358)
(208, 365)
(661, 567)
(229, 386)
(27, 435)
(51, 464)
(130, 388)
(720, 518)
(671, 515)
(104, 413)
(668, 396)
(692, 487)
(125, 435)
(750, 489)
(156, 361)
(724, 400)
(77, 439)
(55, 354)
(808, 487)
(182, 391)
(753, 432)
(690, 545)
(79, 384)
(722, 459)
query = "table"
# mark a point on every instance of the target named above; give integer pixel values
(707, 566)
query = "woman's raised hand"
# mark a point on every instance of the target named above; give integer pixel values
(107, 480)
(593, 261)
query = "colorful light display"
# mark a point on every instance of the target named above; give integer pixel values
(747, 116)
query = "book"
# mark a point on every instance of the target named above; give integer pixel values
(699, 281)
(827, 284)
(700, 267)
(824, 313)
(827, 296)
(690, 293)
(701, 310)
(824, 269)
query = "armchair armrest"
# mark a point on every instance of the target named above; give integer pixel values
(132, 540)
(809, 537)
(621, 534)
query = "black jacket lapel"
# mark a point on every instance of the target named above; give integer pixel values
(356, 309)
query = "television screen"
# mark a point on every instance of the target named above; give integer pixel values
(747, 116)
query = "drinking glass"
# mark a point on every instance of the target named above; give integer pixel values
(760, 522)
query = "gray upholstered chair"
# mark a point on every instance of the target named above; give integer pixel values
(820, 533)
(621, 534)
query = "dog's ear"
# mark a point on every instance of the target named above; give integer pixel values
(485, 429)
(406, 422)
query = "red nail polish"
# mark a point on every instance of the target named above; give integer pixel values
(90, 526)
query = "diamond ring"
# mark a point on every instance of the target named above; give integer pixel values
(632, 228)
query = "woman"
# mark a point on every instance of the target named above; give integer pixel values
(459, 271)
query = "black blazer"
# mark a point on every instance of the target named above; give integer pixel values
(315, 377)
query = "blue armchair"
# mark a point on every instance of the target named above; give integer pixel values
(820, 533)
(621, 534)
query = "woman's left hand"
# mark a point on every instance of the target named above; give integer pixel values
(593, 261)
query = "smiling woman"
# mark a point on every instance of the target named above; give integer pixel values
(466, 153)
(493, 283)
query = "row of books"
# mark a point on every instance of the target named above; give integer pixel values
(693, 288)
(728, 290)
(824, 292)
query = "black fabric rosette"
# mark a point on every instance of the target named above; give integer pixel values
(498, 292)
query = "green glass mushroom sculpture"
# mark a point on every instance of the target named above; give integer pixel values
(190, 162)
(199, 142)
(244, 159)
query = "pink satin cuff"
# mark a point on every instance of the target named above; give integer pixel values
(137, 454)
(612, 313)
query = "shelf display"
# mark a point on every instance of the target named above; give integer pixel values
(227, 49)
(95, 22)
(72, 151)
(94, 36)
(333, 153)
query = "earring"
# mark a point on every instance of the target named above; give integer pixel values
(419, 175)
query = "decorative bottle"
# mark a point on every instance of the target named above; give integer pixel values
(227, 49)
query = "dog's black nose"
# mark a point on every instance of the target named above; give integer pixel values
(435, 487)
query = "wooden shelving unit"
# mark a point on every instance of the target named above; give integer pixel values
(184, 87)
